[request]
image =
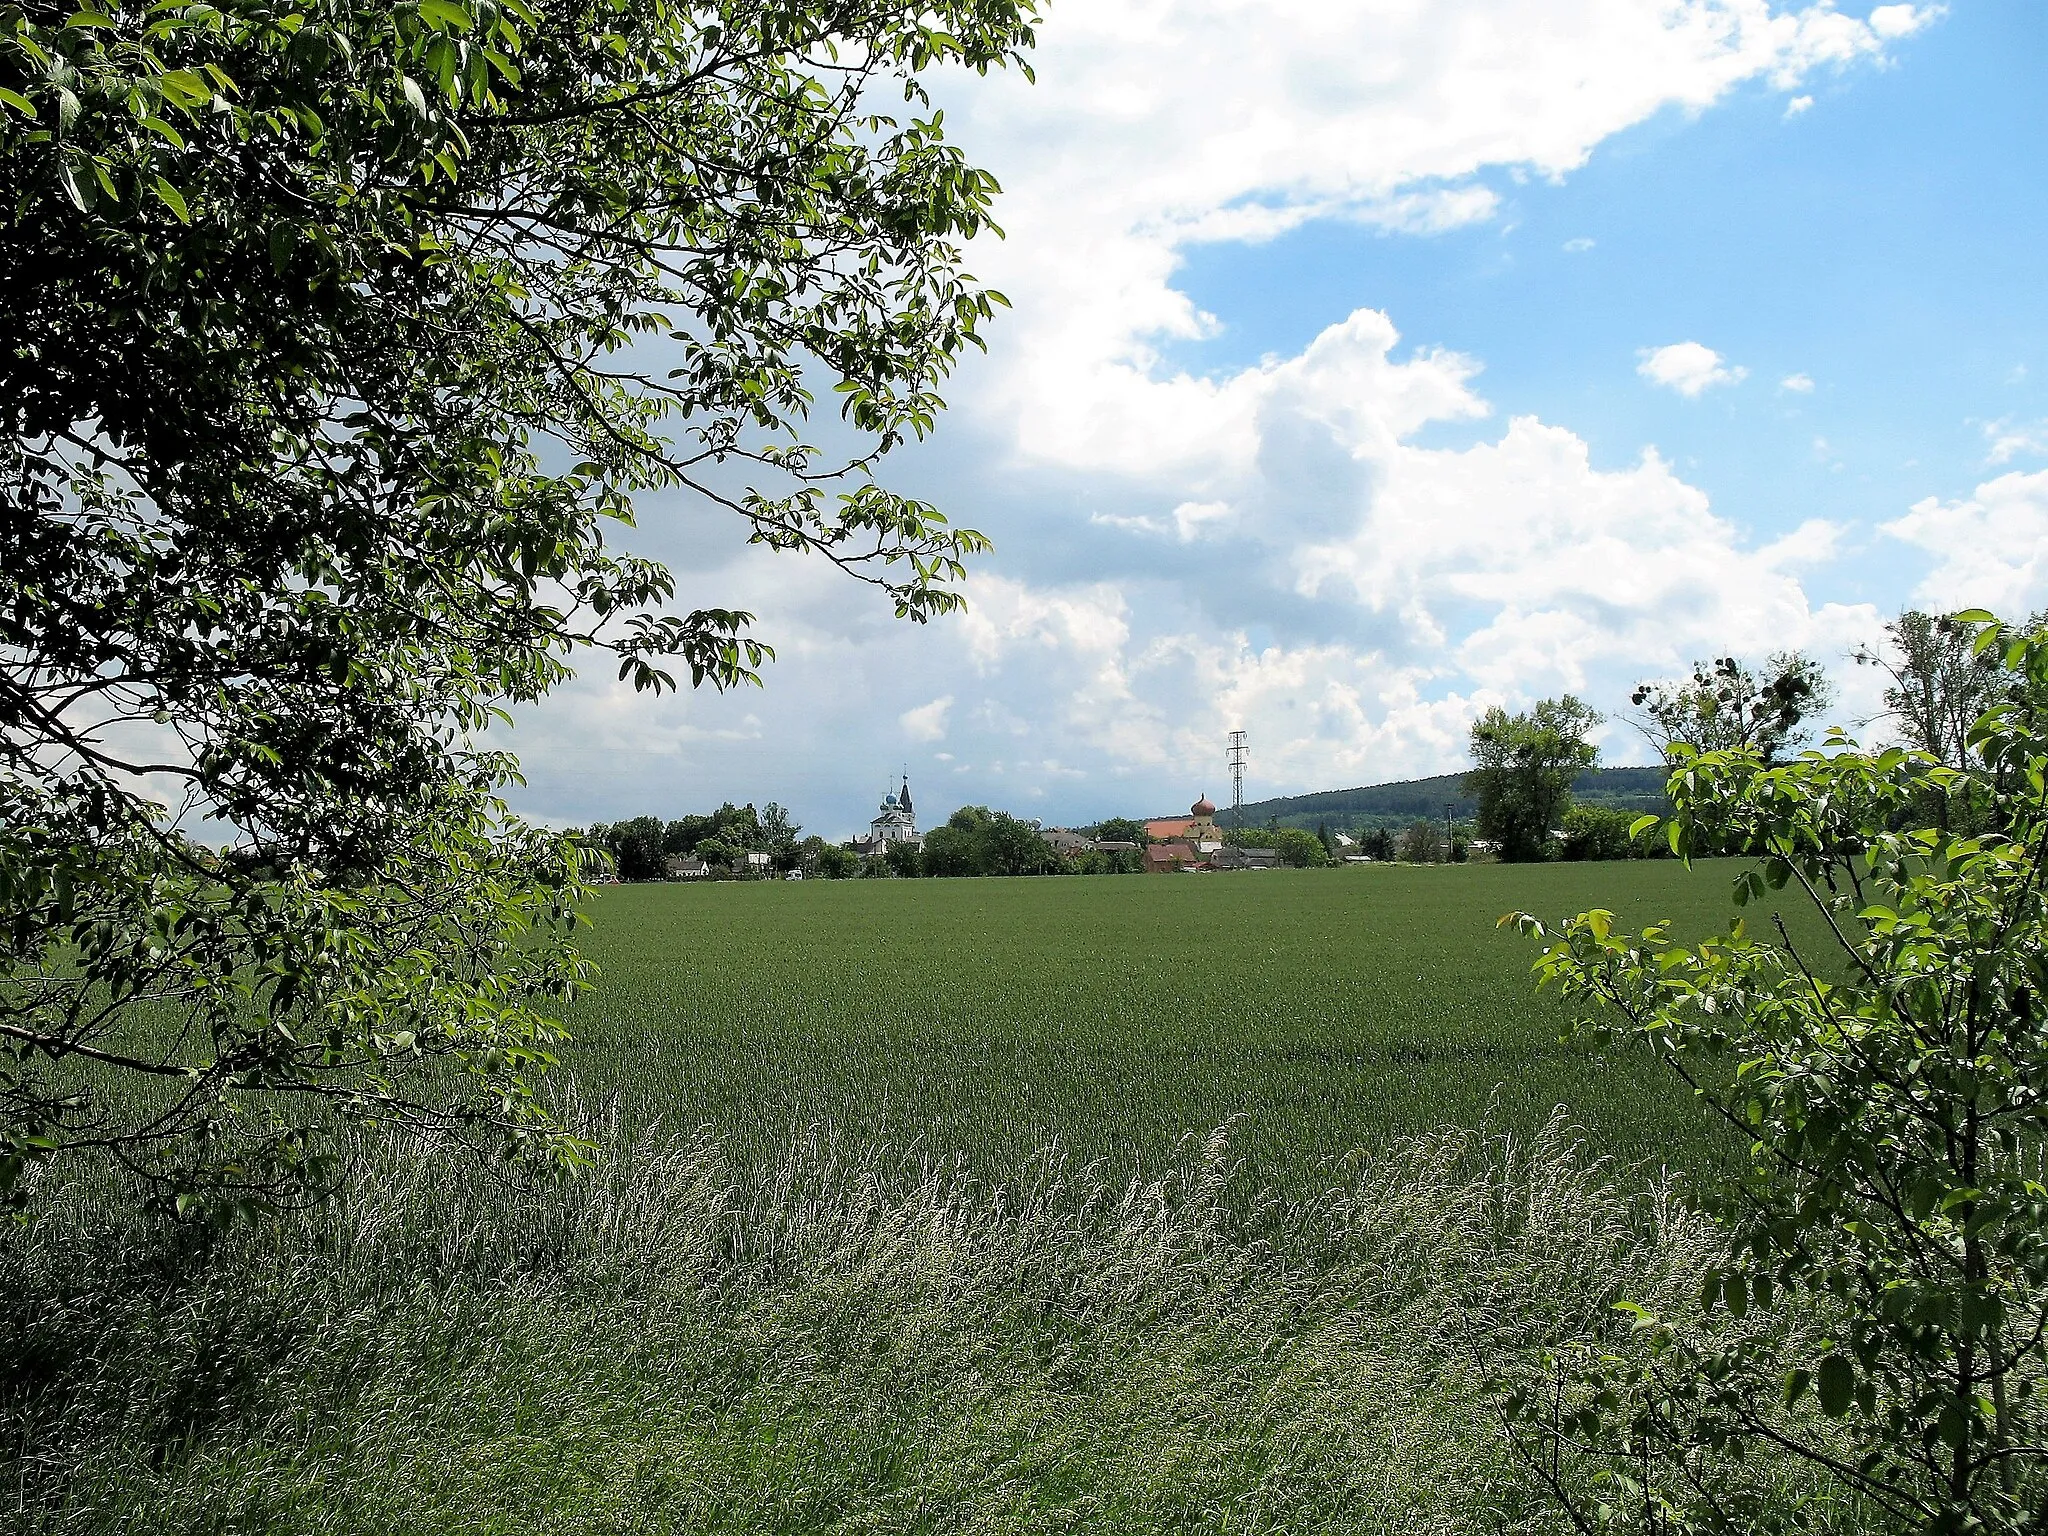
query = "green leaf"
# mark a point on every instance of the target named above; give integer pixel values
(174, 200)
(89, 19)
(19, 102)
(1835, 1384)
(446, 15)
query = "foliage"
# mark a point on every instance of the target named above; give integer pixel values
(1297, 849)
(1422, 843)
(1940, 683)
(1121, 829)
(827, 861)
(1593, 832)
(720, 854)
(334, 338)
(978, 841)
(1875, 1309)
(1377, 842)
(637, 847)
(1523, 770)
(904, 860)
(1727, 704)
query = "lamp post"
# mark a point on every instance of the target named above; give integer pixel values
(1450, 830)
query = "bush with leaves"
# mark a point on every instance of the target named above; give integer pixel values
(335, 337)
(1594, 832)
(1877, 1312)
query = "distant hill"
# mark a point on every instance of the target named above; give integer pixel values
(1624, 789)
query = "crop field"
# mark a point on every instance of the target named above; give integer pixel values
(1311, 1012)
(908, 1213)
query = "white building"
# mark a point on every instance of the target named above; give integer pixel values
(896, 823)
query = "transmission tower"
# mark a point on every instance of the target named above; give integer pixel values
(1238, 754)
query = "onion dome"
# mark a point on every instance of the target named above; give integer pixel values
(1203, 807)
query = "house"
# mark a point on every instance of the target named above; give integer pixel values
(1245, 858)
(758, 862)
(687, 866)
(1171, 857)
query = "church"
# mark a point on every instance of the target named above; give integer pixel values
(1178, 843)
(896, 823)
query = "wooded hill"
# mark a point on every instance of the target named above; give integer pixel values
(1392, 805)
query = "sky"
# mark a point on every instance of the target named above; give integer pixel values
(1373, 364)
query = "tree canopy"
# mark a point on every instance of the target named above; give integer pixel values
(1728, 703)
(1523, 768)
(336, 336)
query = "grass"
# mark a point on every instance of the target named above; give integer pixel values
(1113, 1205)
(840, 1343)
(1315, 1011)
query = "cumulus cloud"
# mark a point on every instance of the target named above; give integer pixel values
(1796, 383)
(1797, 105)
(1989, 549)
(927, 722)
(1284, 547)
(1687, 367)
(2009, 439)
(1579, 243)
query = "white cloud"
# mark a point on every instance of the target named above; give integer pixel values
(1308, 569)
(1687, 367)
(1158, 124)
(1990, 549)
(1890, 21)
(2009, 439)
(1580, 243)
(1797, 105)
(1796, 383)
(927, 722)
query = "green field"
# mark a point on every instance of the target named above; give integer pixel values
(906, 1214)
(1313, 1012)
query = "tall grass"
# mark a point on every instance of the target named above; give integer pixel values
(839, 1340)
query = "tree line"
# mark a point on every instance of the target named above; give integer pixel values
(1524, 764)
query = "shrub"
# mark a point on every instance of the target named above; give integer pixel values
(1592, 832)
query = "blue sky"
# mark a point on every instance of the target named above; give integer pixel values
(1332, 404)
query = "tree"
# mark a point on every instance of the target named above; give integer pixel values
(1524, 767)
(829, 861)
(1297, 849)
(978, 841)
(1422, 843)
(334, 339)
(1727, 704)
(1121, 829)
(905, 861)
(1875, 1309)
(955, 849)
(1940, 683)
(636, 848)
(1014, 847)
